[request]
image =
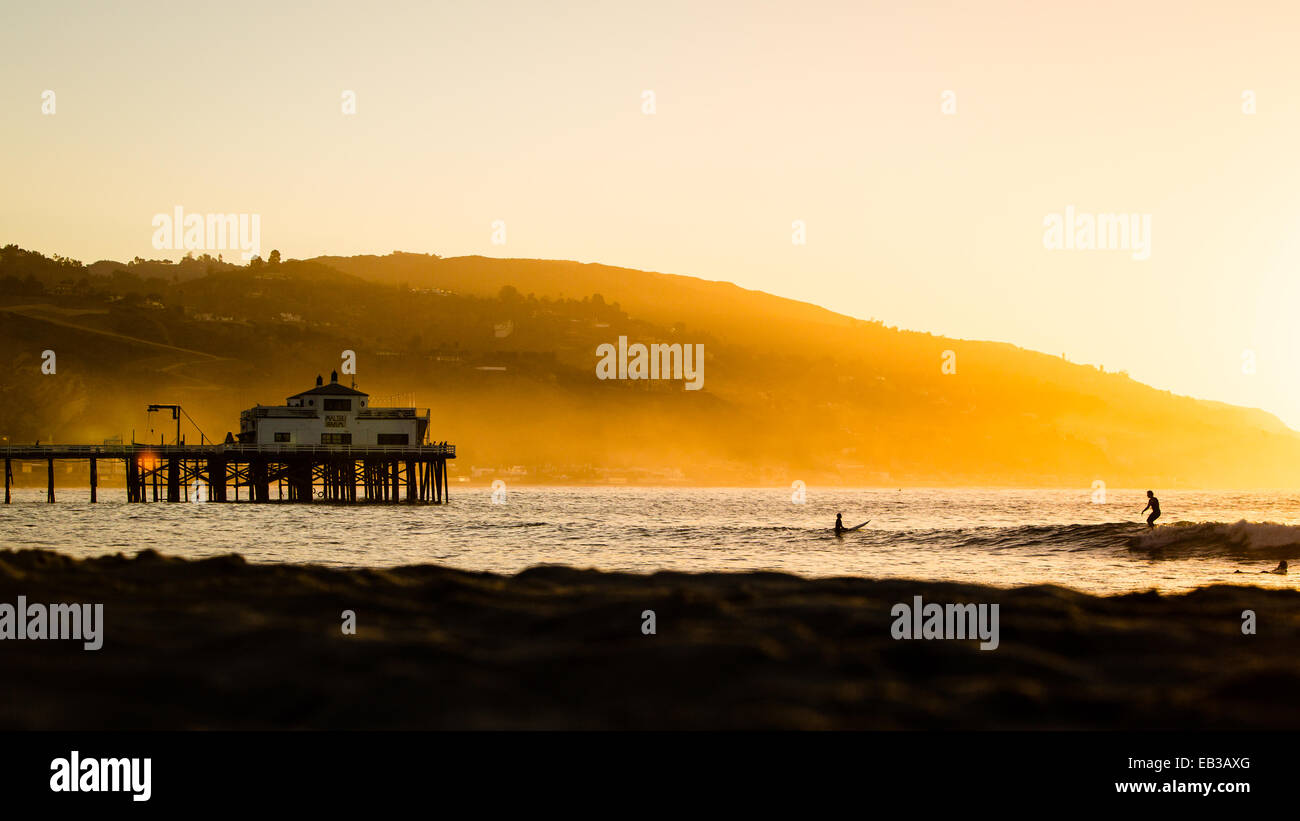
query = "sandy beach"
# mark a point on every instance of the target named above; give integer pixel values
(224, 644)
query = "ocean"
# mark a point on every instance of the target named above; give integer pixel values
(986, 536)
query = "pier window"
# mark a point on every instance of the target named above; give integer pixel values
(282, 436)
(338, 404)
(336, 438)
(394, 439)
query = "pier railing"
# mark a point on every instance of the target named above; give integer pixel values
(199, 451)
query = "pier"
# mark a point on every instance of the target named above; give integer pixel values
(264, 472)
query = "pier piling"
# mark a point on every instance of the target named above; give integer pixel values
(384, 473)
(173, 480)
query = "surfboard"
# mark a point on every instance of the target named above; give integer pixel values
(851, 529)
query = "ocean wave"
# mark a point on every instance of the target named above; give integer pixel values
(1255, 540)
(1071, 537)
(1176, 540)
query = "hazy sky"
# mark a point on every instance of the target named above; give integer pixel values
(765, 113)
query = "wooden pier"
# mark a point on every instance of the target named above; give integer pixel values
(381, 474)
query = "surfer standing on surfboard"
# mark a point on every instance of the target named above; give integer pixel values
(839, 521)
(1154, 504)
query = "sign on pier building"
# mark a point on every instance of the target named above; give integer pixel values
(332, 414)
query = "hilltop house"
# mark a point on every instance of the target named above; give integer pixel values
(332, 414)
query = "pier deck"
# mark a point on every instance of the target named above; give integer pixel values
(298, 473)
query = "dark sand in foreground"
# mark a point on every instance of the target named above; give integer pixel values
(223, 644)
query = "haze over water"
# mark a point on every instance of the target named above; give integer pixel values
(985, 536)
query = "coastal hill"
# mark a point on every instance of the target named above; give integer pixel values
(504, 352)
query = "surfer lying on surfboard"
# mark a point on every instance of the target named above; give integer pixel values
(840, 528)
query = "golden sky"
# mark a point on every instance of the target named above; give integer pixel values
(765, 113)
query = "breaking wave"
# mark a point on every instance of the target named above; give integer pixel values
(1240, 539)
(1177, 540)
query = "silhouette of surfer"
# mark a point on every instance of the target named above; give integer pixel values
(841, 529)
(1280, 570)
(1154, 504)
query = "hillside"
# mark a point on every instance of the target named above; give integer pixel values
(503, 351)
